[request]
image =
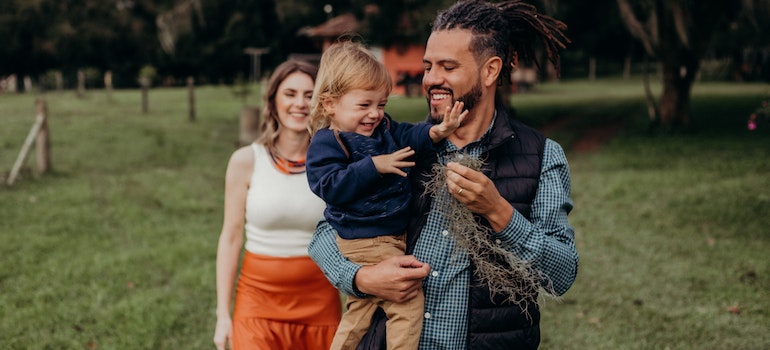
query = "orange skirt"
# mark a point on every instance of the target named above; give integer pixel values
(284, 303)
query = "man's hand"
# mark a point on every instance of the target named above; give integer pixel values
(397, 279)
(477, 192)
(394, 162)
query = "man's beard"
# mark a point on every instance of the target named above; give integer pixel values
(471, 99)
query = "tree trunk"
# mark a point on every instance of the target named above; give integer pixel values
(677, 33)
(652, 108)
(627, 68)
(678, 75)
(592, 68)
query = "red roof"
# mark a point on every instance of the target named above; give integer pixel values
(334, 27)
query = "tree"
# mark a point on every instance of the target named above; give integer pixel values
(598, 37)
(677, 33)
(744, 43)
(402, 22)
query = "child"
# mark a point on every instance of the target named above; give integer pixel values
(357, 165)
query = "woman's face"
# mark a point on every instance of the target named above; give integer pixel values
(292, 101)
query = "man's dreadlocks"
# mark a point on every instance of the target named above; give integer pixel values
(505, 30)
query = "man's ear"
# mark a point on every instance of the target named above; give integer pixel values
(490, 71)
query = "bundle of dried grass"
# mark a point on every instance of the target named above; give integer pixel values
(516, 280)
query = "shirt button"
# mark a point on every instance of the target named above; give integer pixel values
(427, 315)
(497, 241)
(445, 232)
(434, 273)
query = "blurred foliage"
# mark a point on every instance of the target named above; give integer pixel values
(206, 38)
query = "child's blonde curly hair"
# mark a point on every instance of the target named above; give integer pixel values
(346, 65)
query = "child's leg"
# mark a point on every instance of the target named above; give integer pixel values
(355, 322)
(404, 324)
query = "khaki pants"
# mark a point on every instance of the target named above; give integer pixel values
(404, 320)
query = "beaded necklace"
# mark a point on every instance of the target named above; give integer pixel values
(287, 166)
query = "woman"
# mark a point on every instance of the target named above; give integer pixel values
(283, 300)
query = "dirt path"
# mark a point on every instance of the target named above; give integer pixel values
(590, 138)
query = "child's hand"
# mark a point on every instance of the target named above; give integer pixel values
(392, 163)
(452, 118)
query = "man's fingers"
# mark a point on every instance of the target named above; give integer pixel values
(407, 261)
(458, 168)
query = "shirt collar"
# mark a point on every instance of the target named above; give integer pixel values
(478, 146)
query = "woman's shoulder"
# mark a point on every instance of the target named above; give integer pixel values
(243, 158)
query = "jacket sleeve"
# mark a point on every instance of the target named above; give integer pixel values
(413, 135)
(331, 174)
(548, 241)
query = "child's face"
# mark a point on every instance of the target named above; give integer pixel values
(358, 111)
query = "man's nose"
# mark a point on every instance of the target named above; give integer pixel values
(430, 78)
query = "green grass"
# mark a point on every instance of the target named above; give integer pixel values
(115, 248)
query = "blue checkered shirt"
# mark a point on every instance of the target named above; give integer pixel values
(547, 241)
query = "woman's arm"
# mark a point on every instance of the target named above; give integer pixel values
(237, 177)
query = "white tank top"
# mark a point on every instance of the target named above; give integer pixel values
(281, 211)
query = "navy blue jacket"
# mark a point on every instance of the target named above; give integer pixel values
(360, 202)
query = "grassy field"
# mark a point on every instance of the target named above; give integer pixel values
(115, 248)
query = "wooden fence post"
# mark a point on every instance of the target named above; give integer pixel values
(145, 83)
(38, 131)
(108, 84)
(191, 97)
(81, 92)
(43, 144)
(249, 129)
(59, 82)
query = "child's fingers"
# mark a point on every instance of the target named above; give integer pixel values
(462, 116)
(403, 153)
(403, 164)
(456, 111)
(398, 171)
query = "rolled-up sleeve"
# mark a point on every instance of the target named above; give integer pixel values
(340, 271)
(547, 240)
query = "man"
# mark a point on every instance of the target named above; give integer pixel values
(522, 194)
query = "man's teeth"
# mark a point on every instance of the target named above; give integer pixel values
(440, 96)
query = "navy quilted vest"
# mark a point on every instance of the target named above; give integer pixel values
(513, 162)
